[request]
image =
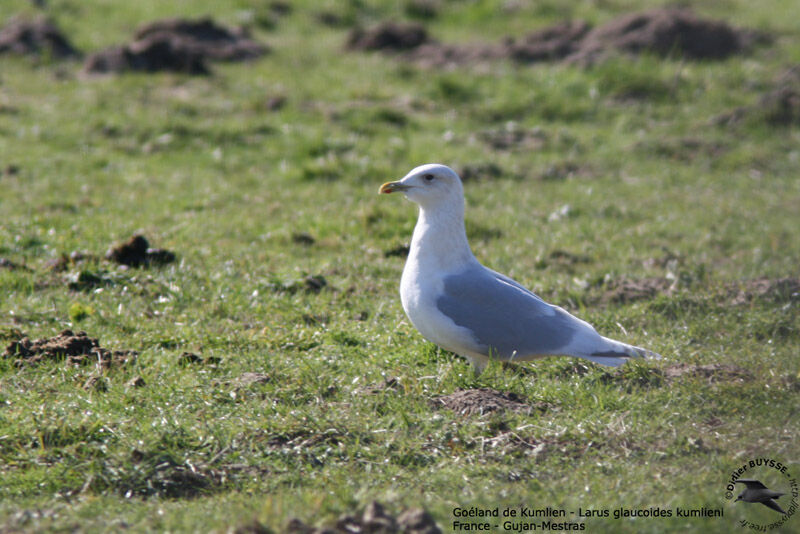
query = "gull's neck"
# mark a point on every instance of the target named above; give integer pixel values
(440, 240)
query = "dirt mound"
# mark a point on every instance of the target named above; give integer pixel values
(712, 372)
(512, 137)
(480, 171)
(5, 263)
(312, 283)
(767, 289)
(389, 384)
(388, 36)
(74, 348)
(549, 44)
(662, 31)
(136, 252)
(399, 251)
(64, 261)
(208, 39)
(780, 106)
(36, 37)
(152, 54)
(481, 401)
(624, 290)
(373, 519)
(178, 45)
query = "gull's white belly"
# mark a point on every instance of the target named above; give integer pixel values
(419, 303)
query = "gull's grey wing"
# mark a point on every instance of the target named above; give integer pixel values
(775, 506)
(752, 483)
(506, 319)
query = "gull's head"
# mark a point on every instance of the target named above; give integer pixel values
(429, 186)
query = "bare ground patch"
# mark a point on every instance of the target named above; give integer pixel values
(777, 290)
(778, 106)
(75, 349)
(137, 252)
(374, 519)
(7, 264)
(670, 31)
(179, 45)
(388, 36)
(712, 372)
(482, 401)
(39, 36)
(626, 290)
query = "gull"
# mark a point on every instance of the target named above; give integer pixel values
(473, 311)
(758, 492)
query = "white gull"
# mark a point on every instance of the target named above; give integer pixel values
(475, 312)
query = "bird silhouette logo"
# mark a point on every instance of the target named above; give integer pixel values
(758, 492)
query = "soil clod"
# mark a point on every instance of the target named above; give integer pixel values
(190, 358)
(136, 252)
(136, 382)
(400, 251)
(248, 379)
(712, 372)
(303, 238)
(77, 349)
(35, 37)
(663, 31)
(779, 106)
(5, 263)
(374, 519)
(625, 290)
(776, 290)
(177, 45)
(481, 401)
(388, 36)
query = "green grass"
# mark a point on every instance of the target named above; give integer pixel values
(202, 167)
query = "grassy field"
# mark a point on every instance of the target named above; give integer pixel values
(616, 174)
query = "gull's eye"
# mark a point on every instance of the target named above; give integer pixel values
(428, 177)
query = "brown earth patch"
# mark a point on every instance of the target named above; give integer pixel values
(304, 438)
(178, 45)
(481, 401)
(136, 382)
(313, 283)
(388, 36)
(65, 261)
(779, 106)
(77, 349)
(248, 379)
(35, 37)
(766, 289)
(153, 54)
(389, 384)
(303, 238)
(5, 263)
(512, 137)
(713, 372)
(136, 252)
(479, 171)
(190, 358)
(10, 169)
(510, 442)
(400, 251)
(210, 40)
(663, 31)
(625, 290)
(549, 44)
(374, 519)
(158, 474)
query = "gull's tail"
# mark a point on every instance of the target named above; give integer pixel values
(616, 353)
